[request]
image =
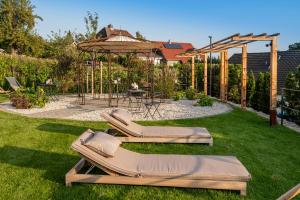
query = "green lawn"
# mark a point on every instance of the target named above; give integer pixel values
(35, 155)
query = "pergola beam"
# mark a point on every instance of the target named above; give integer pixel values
(261, 37)
(228, 38)
(238, 44)
(241, 41)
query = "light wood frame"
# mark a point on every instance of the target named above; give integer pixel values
(241, 41)
(73, 176)
(129, 138)
(291, 193)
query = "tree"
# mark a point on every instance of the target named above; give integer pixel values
(139, 36)
(17, 21)
(257, 100)
(91, 24)
(292, 96)
(295, 46)
(234, 83)
(250, 87)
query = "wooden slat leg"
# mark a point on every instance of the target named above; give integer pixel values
(73, 172)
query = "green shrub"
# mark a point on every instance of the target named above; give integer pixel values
(178, 96)
(27, 98)
(292, 96)
(164, 78)
(234, 94)
(250, 87)
(190, 94)
(28, 70)
(204, 100)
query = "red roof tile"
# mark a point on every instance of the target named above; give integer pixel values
(171, 54)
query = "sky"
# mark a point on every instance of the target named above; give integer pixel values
(178, 20)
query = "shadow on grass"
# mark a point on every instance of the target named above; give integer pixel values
(64, 128)
(54, 166)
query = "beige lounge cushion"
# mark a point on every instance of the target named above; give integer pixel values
(137, 130)
(197, 166)
(175, 132)
(102, 143)
(167, 166)
(122, 115)
(133, 129)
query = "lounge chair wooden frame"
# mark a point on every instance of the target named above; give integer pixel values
(73, 176)
(291, 193)
(130, 138)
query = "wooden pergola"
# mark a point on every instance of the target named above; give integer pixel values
(240, 41)
(98, 46)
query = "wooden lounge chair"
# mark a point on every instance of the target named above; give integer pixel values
(13, 83)
(131, 168)
(291, 193)
(156, 134)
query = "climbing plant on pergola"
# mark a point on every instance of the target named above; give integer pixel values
(239, 41)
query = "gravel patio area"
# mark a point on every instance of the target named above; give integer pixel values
(67, 107)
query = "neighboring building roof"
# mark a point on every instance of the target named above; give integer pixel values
(109, 33)
(170, 50)
(288, 61)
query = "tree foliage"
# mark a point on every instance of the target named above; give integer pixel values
(292, 96)
(91, 23)
(17, 21)
(295, 46)
(250, 88)
(138, 35)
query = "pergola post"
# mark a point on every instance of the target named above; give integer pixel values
(92, 75)
(225, 74)
(109, 81)
(87, 80)
(244, 77)
(193, 72)
(240, 41)
(205, 74)
(222, 76)
(273, 82)
(101, 74)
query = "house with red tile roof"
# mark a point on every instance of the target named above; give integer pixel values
(167, 54)
(109, 33)
(170, 50)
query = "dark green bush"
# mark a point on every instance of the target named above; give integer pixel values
(190, 94)
(292, 96)
(178, 96)
(204, 100)
(234, 94)
(250, 87)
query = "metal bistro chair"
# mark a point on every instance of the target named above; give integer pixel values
(153, 104)
(135, 98)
